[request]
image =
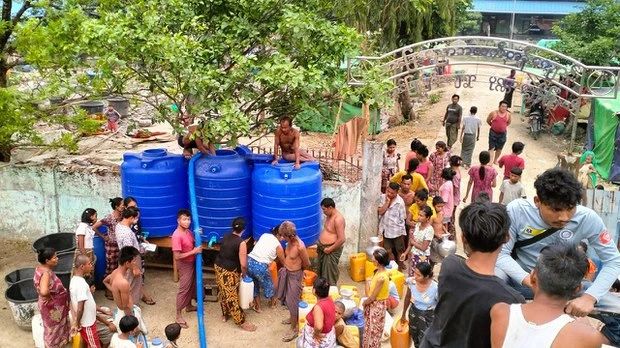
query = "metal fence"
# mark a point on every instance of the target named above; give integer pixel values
(333, 169)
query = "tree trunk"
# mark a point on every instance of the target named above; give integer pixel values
(404, 99)
(3, 73)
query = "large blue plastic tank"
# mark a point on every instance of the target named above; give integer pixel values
(223, 192)
(282, 193)
(158, 181)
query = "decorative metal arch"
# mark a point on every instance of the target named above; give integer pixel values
(557, 71)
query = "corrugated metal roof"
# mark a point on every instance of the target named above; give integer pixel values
(528, 7)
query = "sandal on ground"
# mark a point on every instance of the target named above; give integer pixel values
(254, 307)
(291, 336)
(247, 326)
(286, 322)
(148, 301)
(191, 309)
(183, 324)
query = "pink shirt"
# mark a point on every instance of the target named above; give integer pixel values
(446, 191)
(183, 241)
(456, 182)
(499, 123)
(423, 170)
(509, 162)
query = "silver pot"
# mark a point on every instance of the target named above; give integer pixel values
(446, 247)
(374, 246)
(349, 304)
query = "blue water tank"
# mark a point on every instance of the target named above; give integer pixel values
(158, 181)
(282, 193)
(223, 192)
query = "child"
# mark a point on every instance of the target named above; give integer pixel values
(393, 298)
(513, 160)
(105, 328)
(512, 188)
(390, 164)
(419, 246)
(112, 116)
(190, 141)
(173, 331)
(587, 173)
(85, 234)
(592, 269)
(421, 293)
(344, 337)
(463, 320)
(470, 133)
(128, 326)
(446, 192)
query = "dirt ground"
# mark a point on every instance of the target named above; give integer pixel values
(539, 155)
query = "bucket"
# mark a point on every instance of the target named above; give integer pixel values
(273, 269)
(22, 298)
(357, 266)
(120, 104)
(61, 242)
(246, 292)
(19, 274)
(309, 278)
(399, 338)
(92, 107)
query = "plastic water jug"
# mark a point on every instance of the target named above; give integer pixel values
(157, 343)
(399, 337)
(246, 292)
(357, 266)
(347, 301)
(393, 265)
(399, 280)
(369, 269)
(333, 292)
(304, 309)
(37, 331)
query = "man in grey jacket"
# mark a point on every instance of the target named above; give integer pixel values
(556, 206)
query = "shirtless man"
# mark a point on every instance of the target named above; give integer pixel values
(291, 275)
(331, 242)
(438, 229)
(118, 284)
(287, 139)
(186, 142)
(405, 191)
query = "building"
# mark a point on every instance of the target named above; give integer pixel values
(529, 20)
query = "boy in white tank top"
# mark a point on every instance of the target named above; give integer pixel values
(542, 322)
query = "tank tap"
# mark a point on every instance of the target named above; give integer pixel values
(212, 241)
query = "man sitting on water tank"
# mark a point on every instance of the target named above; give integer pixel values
(190, 141)
(287, 138)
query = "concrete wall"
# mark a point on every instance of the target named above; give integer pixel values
(36, 200)
(347, 198)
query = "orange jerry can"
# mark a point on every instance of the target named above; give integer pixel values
(357, 266)
(273, 269)
(399, 336)
(309, 278)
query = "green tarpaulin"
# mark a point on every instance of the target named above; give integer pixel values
(322, 119)
(605, 125)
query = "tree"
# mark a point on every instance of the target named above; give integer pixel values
(471, 23)
(227, 63)
(591, 36)
(399, 23)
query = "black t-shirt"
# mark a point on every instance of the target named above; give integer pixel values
(454, 113)
(462, 316)
(228, 257)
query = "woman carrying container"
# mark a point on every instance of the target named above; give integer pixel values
(230, 265)
(319, 329)
(267, 249)
(111, 247)
(53, 300)
(375, 305)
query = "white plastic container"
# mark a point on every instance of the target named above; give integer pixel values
(157, 343)
(393, 265)
(304, 309)
(37, 331)
(333, 292)
(246, 292)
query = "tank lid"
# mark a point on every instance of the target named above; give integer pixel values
(247, 279)
(155, 153)
(303, 304)
(157, 341)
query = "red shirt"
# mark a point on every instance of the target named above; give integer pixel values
(329, 314)
(183, 241)
(509, 162)
(499, 123)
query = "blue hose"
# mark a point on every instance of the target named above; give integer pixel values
(198, 240)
